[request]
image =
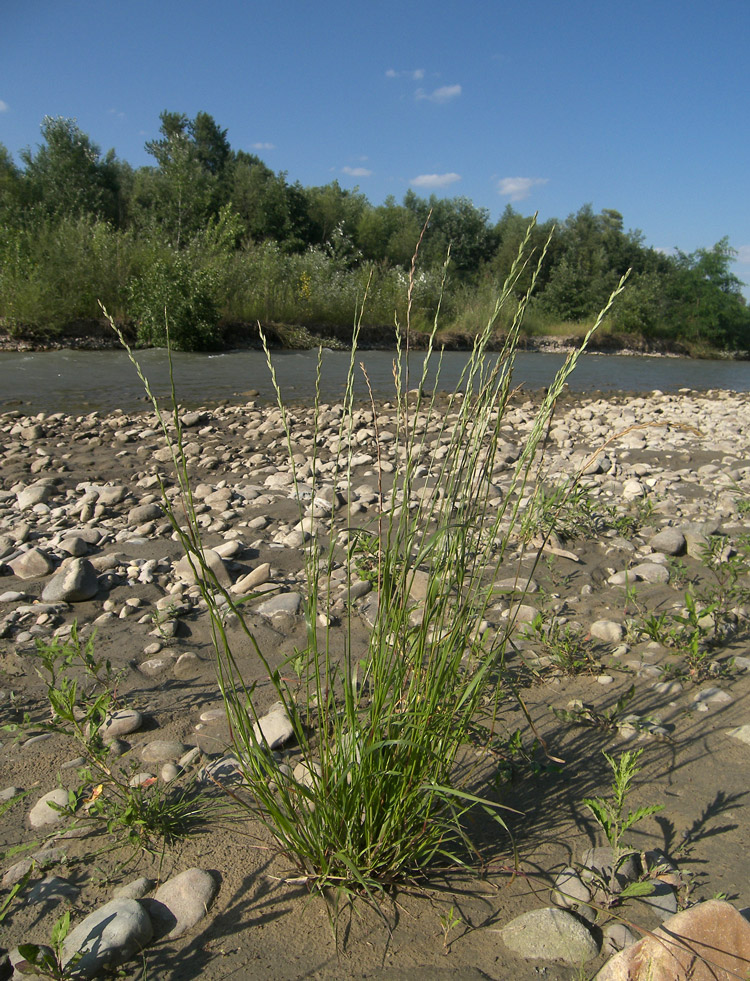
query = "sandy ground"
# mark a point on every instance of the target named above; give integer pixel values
(260, 927)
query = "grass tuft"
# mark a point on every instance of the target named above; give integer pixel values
(385, 736)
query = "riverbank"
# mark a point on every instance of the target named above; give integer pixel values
(98, 336)
(83, 539)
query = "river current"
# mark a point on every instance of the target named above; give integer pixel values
(81, 381)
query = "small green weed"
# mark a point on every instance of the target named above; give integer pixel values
(566, 649)
(606, 719)
(81, 692)
(690, 634)
(448, 922)
(47, 960)
(609, 813)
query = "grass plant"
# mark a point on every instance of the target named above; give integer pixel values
(382, 790)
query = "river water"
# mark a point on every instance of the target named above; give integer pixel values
(81, 381)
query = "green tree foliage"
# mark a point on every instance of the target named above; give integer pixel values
(208, 231)
(68, 175)
(706, 298)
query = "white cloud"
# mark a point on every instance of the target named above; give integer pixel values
(417, 74)
(264, 146)
(4, 107)
(444, 94)
(356, 171)
(743, 254)
(116, 112)
(518, 188)
(391, 73)
(435, 180)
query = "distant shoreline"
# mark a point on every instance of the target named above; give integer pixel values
(97, 336)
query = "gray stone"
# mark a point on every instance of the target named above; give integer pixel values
(112, 494)
(31, 564)
(192, 573)
(274, 727)
(550, 934)
(187, 665)
(608, 631)
(669, 540)
(155, 666)
(598, 861)
(108, 937)
(163, 750)
(142, 513)
(569, 891)
(136, 889)
(181, 902)
(283, 603)
(651, 572)
(16, 872)
(75, 583)
(38, 493)
(662, 901)
(121, 723)
(43, 815)
(74, 545)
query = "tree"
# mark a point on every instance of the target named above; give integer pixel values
(706, 297)
(178, 194)
(457, 224)
(10, 186)
(67, 175)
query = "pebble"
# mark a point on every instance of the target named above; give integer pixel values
(43, 814)
(275, 727)
(550, 934)
(608, 631)
(161, 750)
(121, 723)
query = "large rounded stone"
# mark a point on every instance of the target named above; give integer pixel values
(31, 564)
(75, 583)
(182, 902)
(108, 937)
(669, 540)
(163, 750)
(44, 813)
(704, 943)
(550, 934)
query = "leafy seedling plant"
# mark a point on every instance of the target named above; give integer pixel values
(613, 820)
(690, 634)
(378, 796)
(566, 649)
(449, 922)
(48, 960)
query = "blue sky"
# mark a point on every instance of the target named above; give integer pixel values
(546, 104)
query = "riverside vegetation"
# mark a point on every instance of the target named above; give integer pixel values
(379, 716)
(221, 241)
